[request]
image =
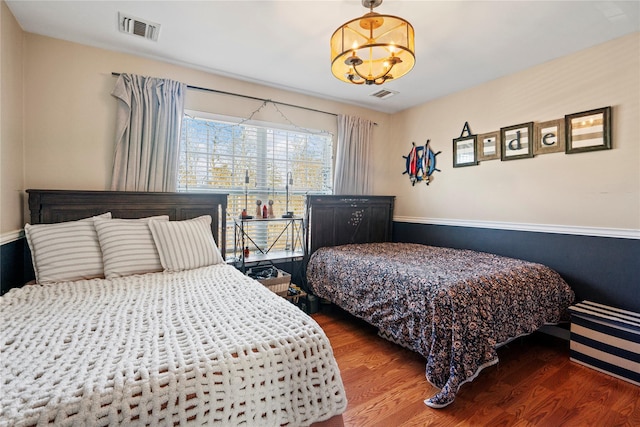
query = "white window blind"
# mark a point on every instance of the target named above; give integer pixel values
(216, 154)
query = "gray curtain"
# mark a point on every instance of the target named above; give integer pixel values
(352, 156)
(148, 123)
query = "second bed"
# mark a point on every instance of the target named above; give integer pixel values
(453, 306)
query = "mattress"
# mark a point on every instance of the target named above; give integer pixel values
(454, 307)
(205, 346)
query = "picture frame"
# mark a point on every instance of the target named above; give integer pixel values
(464, 151)
(549, 137)
(516, 141)
(588, 131)
(488, 146)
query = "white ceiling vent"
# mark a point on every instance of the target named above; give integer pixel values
(138, 27)
(383, 93)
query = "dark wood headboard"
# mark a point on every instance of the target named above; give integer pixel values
(49, 206)
(338, 220)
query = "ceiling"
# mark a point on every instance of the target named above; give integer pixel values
(285, 44)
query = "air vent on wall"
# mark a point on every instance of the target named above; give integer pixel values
(138, 27)
(383, 93)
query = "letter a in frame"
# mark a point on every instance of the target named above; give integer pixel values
(465, 128)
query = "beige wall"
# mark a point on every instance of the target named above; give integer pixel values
(595, 189)
(71, 114)
(69, 126)
(11, 123)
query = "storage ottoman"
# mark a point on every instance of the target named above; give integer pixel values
(606, 339)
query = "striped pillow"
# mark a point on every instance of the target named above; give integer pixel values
(127, 246)
(66, 250)
(185, 245)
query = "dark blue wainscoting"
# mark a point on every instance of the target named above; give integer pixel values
(600, 269)
(15, 268)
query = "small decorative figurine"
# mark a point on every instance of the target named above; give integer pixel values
(270, 211)
(258, 208)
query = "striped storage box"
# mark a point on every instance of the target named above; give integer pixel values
(607, 339)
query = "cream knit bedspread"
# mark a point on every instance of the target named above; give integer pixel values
(204, 346)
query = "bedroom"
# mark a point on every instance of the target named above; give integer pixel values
(579, 214)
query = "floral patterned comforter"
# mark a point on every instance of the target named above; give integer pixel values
(452, 306)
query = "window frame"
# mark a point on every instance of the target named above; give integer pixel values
(248, 194)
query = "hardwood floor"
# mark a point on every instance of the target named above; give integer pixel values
(535, 384)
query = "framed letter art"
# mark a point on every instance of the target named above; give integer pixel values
(549, 137)
(464, 151)
(588, 131)
(516, 141)
(488, 146)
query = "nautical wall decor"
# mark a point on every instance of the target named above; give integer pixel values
(576, 133)
(420, 163)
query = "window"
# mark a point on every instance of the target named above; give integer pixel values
(217, 153)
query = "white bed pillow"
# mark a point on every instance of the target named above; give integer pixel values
(185, 245)
(127, 246)
(66, 250)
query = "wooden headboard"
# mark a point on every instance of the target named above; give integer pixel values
(338, 220)
(49, 206)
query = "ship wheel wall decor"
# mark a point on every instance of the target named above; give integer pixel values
(420, 163)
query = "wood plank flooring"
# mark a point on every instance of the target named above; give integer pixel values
(535, 384)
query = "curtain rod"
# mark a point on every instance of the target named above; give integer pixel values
(251, 97)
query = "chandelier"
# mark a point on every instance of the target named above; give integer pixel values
(372, 49)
